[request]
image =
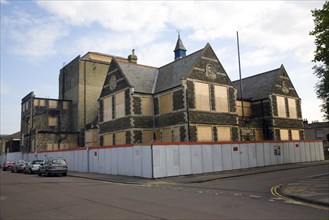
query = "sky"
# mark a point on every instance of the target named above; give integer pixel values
(39, 37)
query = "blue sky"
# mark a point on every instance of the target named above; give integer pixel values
(38, 37)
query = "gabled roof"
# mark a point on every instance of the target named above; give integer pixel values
(258, 86)
(171, 74)
(141, 77)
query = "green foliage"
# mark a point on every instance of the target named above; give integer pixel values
(321, 55)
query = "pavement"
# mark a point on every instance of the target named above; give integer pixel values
(313, 189)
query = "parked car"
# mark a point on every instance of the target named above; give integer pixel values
(18, 166)
(33, 167)
(7, 165)
(52, 166)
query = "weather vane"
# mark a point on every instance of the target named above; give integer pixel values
(178, 31)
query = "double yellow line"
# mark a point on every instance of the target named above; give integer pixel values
(275, 189)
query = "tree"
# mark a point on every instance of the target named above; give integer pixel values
(321, 55)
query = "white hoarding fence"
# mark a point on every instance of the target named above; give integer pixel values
(174, 159)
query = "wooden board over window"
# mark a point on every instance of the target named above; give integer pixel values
(166, 135)
(120, 105)
(202, 101)
(52, 121)
(52, 104)
(120, 138)
(292, 108)
(49, 146)
(284, 134)
(147, 137)
(258, 134)
(280, 100)
(42, 102)
(295, 135)
(36, 102)
(166, 104)
(204, 133)
(107, 108)
(65, 105)
(176, 134)
(221, 101)
(224, 133)
(147, 106)
(246, 106)
(108, 139)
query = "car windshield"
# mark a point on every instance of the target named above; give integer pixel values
(58, 161)
(37, 161)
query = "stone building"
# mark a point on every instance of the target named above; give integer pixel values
(81, 81)
(318, 131)
(189, 99)
(46, 124)
(271, 107)
(111, 100)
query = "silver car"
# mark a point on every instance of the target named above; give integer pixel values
(33, 167)
(52, 166)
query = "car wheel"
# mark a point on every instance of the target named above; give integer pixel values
(64, 174)
(12, 170)
(39, 173)
(47, 174)
(30, 171)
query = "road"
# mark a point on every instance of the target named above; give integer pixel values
(244, 197)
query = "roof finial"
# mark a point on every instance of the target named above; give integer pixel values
(178, 32)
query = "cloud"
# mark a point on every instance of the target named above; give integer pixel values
(32, 37)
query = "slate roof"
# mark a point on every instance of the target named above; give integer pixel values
(171, 74)
(141, 77)
(258, 86)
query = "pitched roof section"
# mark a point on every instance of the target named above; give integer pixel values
(170, 75)
(142, 78)
(258, 86)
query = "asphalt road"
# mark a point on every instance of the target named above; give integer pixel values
(244, 197)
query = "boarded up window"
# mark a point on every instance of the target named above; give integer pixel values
(88, 138)
(166, 135)
(147, 137)
(166, 105)
(221, 101)
(204, 133)
(36, 102)
(292, 108)
(42, 102)
(284, 135)
(52, 121)
(281, 106)
(147, 104)
(202, 101)
(295, 134)
(65, 105)
(107, 108)
(52, 104)
(246, 106)
(108, 139)
(120, 138)
(224, 133)
(258, 134)
(120, 105)
(176, 134)
(49, 146)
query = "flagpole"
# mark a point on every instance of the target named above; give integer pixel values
(241, 92)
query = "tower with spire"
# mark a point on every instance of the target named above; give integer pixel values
(180, 50)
